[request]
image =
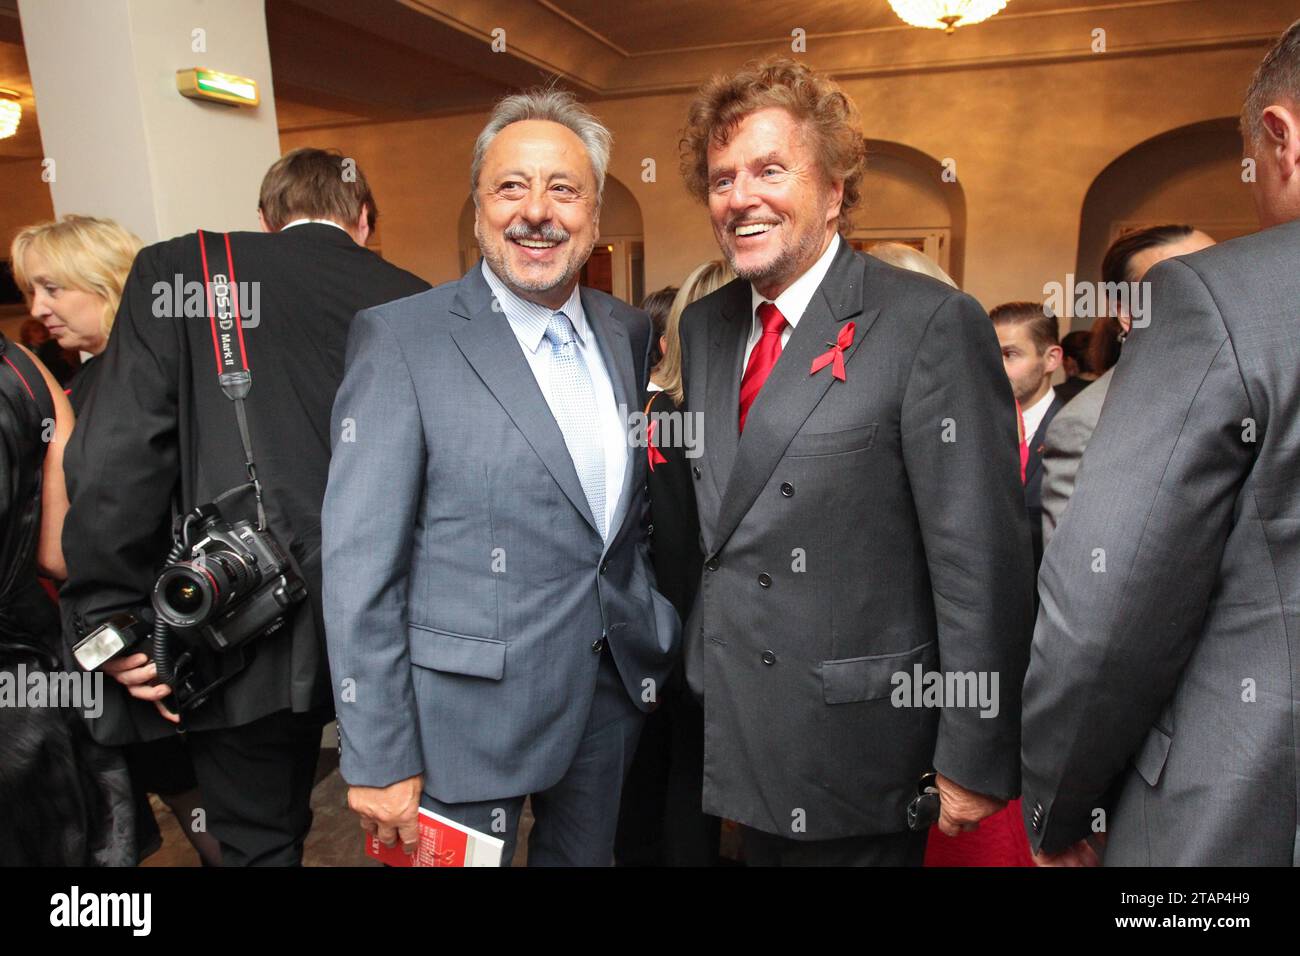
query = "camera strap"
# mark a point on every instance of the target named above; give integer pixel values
(235, 378)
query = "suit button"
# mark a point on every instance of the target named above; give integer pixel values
(604, 566)
(765, 580)
(650, 529)
(711, 564)
(769, 658)
(695, 470)
(787, 489)
(598, 645)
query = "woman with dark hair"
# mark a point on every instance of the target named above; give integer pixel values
(65, 800)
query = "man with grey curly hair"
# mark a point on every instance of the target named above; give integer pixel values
(494, 631)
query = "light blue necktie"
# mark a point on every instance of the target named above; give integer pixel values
(575, 413)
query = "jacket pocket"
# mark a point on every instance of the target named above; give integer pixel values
(855, 679)
(831, 443)
(456, 653)
(1150, 759)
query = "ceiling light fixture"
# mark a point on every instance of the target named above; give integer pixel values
(11, 111)
(945, 15)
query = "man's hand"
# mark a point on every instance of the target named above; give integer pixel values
(1080, 854)
(390, 812)
(961, 810)
(137, 673)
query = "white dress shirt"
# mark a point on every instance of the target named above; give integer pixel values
(528, 320)
(793, 302)
(1034, 414)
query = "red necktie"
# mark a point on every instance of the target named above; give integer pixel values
(762, 359)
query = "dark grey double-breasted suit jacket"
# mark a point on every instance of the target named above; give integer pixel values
(857, 530)
(1161, 695)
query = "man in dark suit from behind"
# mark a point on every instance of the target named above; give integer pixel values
(1161, 700)
(161, 438)
(1031, 354)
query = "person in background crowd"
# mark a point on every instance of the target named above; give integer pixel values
(1127, 260)
(844, 538)
(905, 257)
(1077, 366)
(661, 821)
(72, 272)
(36, 337)
(157, 426)
(1030, 352)
(66, 801)
(1161, 698)
(657, 305)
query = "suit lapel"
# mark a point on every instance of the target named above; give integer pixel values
(489, 345)
(1036, 441)
(791, 391)
(728, 333)
(616, 350)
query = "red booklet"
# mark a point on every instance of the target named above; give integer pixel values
(443, 842)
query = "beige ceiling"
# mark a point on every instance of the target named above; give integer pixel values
(676, 24)
(339, 62)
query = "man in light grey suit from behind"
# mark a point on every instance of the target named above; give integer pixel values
(1160, 706)
(494, 632)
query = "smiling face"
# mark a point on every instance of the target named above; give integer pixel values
(773, 210)
(537, 218)
(74, 318)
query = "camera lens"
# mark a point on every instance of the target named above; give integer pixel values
(184, 595)
(190, 593)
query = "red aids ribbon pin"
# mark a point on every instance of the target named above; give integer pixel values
(656, 456)
(835, 354)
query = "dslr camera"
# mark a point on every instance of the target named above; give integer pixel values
(223, 585)
(235, 583)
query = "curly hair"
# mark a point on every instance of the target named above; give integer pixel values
(814, 101)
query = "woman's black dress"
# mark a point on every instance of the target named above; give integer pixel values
(64, 800)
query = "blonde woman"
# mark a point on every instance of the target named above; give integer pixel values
(72, 272)
(660, 823)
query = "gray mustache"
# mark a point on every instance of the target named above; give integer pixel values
(547, 233)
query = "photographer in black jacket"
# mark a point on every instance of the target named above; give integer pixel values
(162, 437)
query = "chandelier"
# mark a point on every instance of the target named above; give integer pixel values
(945, 15)
(10, 113)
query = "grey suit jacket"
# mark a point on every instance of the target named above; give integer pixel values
(859, 530)
(1067, 437)
(467, 590)
(1162, 687)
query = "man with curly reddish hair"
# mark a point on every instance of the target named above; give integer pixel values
(865, 610)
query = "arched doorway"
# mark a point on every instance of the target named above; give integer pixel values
(1191, 175)
(617, 263)
(907, 199)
